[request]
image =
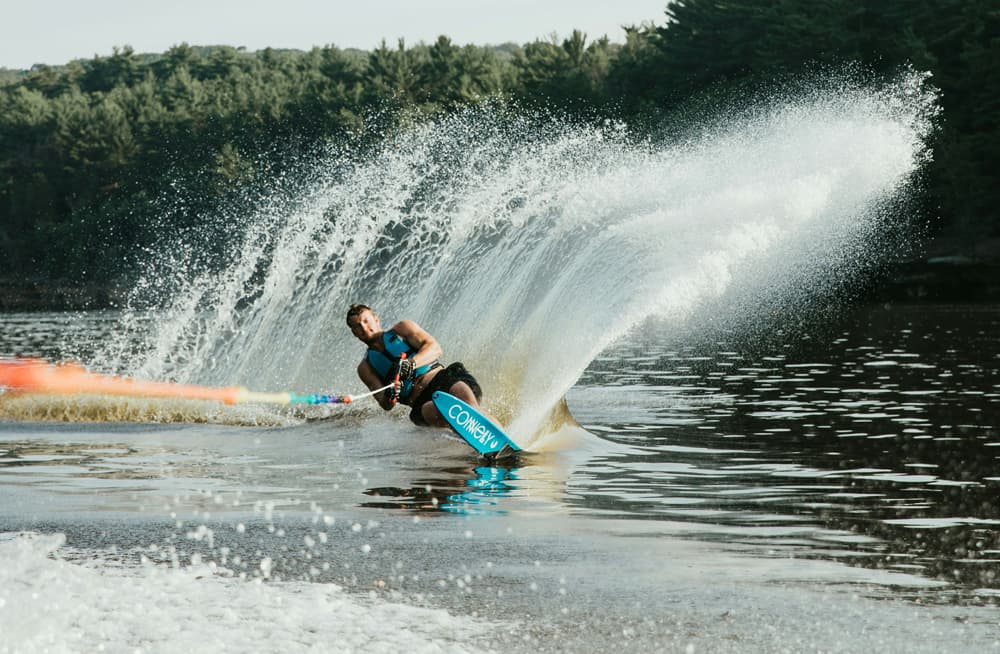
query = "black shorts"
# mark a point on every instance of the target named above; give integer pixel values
(442, 381)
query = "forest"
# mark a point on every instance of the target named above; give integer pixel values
(99, 158)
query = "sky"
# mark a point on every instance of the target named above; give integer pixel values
(57, 31)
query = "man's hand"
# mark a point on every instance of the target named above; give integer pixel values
(403, 370)
(392, 393)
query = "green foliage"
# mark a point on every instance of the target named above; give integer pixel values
(99, 158)
(571, 72)
(9, 76)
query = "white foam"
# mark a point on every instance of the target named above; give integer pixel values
(48, 604)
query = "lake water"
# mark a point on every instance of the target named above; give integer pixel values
(831, 489)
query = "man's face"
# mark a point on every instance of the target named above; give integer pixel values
(365, 326)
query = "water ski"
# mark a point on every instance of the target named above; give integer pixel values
(475, 429)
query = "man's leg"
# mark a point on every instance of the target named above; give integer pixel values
(432, 416)
(464, 392)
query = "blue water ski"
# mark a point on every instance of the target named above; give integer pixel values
(475, 429)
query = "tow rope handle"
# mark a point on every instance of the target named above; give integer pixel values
(395, 383)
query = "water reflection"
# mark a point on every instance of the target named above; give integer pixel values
(50, 470)
(475, 490)
(877, 448)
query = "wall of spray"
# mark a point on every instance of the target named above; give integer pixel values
(527, 244)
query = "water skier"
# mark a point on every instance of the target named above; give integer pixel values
(420, 373)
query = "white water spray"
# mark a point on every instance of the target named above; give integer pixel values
(527, 246)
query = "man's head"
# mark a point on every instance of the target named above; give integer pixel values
(363, 322)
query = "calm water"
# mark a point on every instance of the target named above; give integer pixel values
(725, 496)
(876, 447)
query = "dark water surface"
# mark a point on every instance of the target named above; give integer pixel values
(876, 446)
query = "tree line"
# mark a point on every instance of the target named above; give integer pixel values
(90, 150)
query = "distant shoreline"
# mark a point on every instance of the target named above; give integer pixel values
(941, 279)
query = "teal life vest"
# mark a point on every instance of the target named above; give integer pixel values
(395, 345)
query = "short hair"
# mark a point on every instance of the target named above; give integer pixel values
(356, 310)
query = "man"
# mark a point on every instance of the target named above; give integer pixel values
(420, 373)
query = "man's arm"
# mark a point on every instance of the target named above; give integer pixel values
(371, 379)
(427, 348)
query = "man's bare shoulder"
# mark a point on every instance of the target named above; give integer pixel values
(406, 327)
